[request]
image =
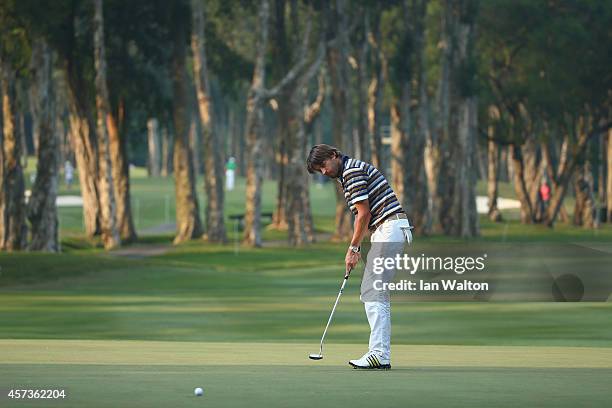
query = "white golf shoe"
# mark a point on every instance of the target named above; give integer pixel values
(370, 361)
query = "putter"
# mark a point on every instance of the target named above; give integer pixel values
(320, 355)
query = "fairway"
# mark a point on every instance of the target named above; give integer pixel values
(163, 374)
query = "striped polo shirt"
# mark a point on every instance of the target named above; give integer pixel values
(361, 181)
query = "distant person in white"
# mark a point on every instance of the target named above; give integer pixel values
(68, 173)
(230, 170)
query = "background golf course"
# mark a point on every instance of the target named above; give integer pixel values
(144, 325)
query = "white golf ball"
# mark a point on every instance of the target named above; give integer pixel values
(198, 392)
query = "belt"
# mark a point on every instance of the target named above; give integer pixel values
(396, 216)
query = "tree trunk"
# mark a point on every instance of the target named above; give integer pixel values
(300, 227)
(585, 200)
(362, 88)
(254, 123)
(566, 171)
(286, 121)
(493, 176)
(188, 222)
(312, 112)
(520, 186)
(609, 179)
(466, 179)
(42, 211)
(214, 157)
(457, 109)
(297, 182)
(13, 230)
(439, 165)
(419, 204)
(154, 145)
(257, 97)
(552, 174)
(399, 141)
(373, 112)
(108, 209)
(85, 148)
(121, 173)
(341, 129)
(195, 145)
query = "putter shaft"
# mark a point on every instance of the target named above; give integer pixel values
(346, 276)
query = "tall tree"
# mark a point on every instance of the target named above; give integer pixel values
(376, 87)
(253, 129)
(108, 209)
(609, 178)
(188, 222)
(42, 210)
(13, 228)
(493, 165)
(289, 103)
(298, 181)
(257, 97)
(213, 161)
(407, 138)
(458, 113)
(339, 73)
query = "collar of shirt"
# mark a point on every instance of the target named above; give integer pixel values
(344, 160)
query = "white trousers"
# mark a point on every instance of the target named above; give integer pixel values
(229, 180)
(379, 312)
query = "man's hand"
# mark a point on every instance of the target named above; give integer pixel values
(351, 259)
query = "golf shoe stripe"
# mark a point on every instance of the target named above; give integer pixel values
(376, 360)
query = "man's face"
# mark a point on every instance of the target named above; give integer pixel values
(331, 167)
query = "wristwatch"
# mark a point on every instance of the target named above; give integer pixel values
(355, 249)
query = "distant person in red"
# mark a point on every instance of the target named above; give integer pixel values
(544, 195)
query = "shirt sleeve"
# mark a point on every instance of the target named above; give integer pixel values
(356, 183)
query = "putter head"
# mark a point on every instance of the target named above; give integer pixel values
(315, 356)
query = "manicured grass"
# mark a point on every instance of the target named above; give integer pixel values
(208, 293)
(154, 374)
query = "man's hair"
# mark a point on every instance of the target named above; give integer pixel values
(318, 154)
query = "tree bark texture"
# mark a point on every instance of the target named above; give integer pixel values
(584, 209)
(493, 177)
(609, 179)
(42, 210)
(108, 208)
(188, 222)
(299, 215)
(214, 157)
(13, 230)
(337, 62)
(456, 180)
(254, 124)
(85, 148)
(121, 173)
(286, 121)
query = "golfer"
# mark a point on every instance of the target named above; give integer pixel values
(377, 209)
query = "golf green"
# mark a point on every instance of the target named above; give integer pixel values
(163, 374)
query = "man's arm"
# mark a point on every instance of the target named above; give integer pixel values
(362, 220)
